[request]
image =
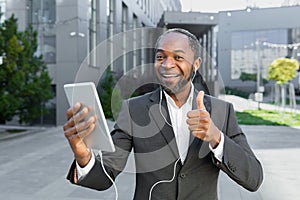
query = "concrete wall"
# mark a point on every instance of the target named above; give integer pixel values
(71, 49)
(19, 9)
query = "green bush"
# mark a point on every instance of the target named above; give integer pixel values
(268, 117)
(24, 78)
(111, 99)
(236, 92)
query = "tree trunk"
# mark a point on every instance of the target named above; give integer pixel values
(283, 96)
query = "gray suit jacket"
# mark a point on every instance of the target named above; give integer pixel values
(141, 126)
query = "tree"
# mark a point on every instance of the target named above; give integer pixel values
(110, 97)
(24, 79)
(282, 70)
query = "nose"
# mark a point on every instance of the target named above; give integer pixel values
(168, 63)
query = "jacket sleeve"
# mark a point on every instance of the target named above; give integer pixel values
(114, 162)
(239, 161)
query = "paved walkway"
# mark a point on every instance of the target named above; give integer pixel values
(33, 166)
(241, 104)
(34, 163)
(278, 150)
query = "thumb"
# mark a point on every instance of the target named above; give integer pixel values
(200, 101)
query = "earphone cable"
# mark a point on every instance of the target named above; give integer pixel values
(164, 181)
(160, 102)
(108, 176)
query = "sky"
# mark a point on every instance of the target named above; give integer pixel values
(221, 5)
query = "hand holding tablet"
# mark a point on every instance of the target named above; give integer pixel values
(86, 94)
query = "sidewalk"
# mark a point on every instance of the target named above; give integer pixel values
(240, 104)
(9, 131)
(46, 157)
(278, 149)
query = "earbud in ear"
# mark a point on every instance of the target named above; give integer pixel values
(194, 74)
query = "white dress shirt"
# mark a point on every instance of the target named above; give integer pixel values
(178, 118)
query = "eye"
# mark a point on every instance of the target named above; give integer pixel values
(159, 57)
(179, 58)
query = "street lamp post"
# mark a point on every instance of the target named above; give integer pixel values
(259, 89)
(258, 65)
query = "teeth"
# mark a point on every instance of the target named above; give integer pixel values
(169, 75)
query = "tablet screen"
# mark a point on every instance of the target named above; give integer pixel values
(86, 93)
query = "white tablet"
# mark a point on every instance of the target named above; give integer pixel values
(86, 93)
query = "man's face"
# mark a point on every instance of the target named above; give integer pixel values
(174, 60)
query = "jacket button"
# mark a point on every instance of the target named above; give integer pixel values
(182, 175)
(231, 167)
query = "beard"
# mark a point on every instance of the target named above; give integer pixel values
(179, 86)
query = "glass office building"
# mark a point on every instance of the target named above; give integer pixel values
(68, 30)
(252, 48)
(249, 40)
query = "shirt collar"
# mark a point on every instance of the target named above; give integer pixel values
(189, 100)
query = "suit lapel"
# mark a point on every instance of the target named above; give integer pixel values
(197, 146)
(160, 117)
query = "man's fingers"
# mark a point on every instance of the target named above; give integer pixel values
(198, 121)
(76, 133)
(81, 115)
(197, 113)
(70, 132)
(82, 134)
(75, 119)
(85, 124)
(79, 127)
(73, 110)
(200, 134)
(200, 101)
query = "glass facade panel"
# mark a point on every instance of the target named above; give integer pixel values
(42, 17)
(135, 46)
(43, 11)
(92, 41)
(124, 29)
(111, 31)
(50, 49)
(250, 49)
(2, 10)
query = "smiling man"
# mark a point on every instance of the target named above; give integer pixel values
(175, 63)
(181, 137)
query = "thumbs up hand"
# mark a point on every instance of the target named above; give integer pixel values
(201, 125)
(200, 101)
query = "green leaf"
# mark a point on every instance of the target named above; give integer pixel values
(25, 82)
(283, 70)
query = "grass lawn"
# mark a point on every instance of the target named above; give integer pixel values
(268, 117)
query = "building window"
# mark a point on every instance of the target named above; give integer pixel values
(124, 29)
(253, 50)
(42, 16)
(135, 42)
(92, 33)
(49, 51)
(43, 11)
(2, 10)
(143, 41)
(111, 32)
(107, 8)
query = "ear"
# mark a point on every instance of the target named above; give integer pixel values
(197, 64)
